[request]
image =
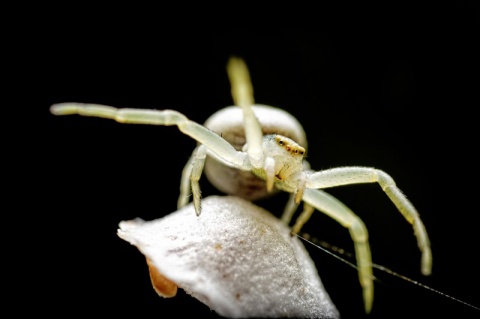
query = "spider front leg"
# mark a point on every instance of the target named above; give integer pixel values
(185, 183)
(242, 94)
(210, 141)
(190, 179)
(332, 207)
(355, 175)
(214, 143)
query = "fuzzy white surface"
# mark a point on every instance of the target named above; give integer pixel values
(235, 257)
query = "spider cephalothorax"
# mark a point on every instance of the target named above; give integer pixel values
(283, 164)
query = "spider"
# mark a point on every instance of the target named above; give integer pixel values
(253, 150)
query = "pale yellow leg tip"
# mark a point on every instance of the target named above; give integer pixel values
(368, 299)
(368, 306)
(426, 262)
(63, 109)
(198, 208)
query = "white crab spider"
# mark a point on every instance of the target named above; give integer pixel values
(250, 147)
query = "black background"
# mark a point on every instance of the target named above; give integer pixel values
(397, 91)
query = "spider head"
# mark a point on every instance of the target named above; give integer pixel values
(287, 156)
(278, 145)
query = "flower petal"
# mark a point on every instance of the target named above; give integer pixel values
(235, 257)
